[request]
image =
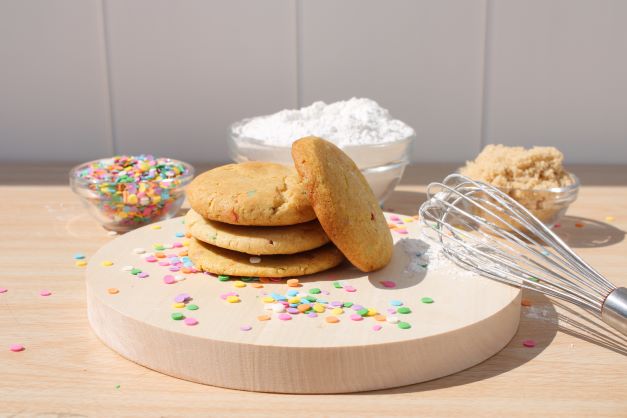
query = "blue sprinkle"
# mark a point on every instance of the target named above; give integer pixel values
(79, 256)
(180, 235)
(396, 303)
(292, 292)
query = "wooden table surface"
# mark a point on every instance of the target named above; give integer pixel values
(576, 369)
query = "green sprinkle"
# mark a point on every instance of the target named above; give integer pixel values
(314, 291)
(192, 307)
(251, 193)
(247, 279)
(177, 316)
(404, 325)
(337, 285)
(403, 310)
(117, 386)
(135, 271)
(348, 304)
(363, 312)
(224, 278)
(534, 279)
(159, 247)
(310, 298)
(426, 300)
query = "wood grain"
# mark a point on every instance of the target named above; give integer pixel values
(66, 371)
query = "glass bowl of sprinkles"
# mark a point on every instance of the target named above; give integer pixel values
(126, 192)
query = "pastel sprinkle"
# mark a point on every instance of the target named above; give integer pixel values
(337, 285)
(356, 317)
(609, 219)
(177, 316)
(293, 282)
(169, 279)
(404, 325)
(312, 315)
(350, 289)
(388, 283)
(192, 307)
(376, 327)
(3, 290)
(81, 263)
(139, 250)
(402, 231)
(179, 305)
(404, 310)
(224, 278)
(155, 226)
(392, 319)
(191, 321)
(332, 319)
(127, 268)
(142, 275)
(426, 300)
(529, 343)
(246, 327)
(525, 302)
(396, 303)
(278, 308)
(285, 317)
(379, 317)
(79, 256)
(232, 299)
(263, 317)
(337, 311)
(135, 271)
(113, 291)
(314, 291)
(239, 283)
(179, 235)
(16, 348)
(182, 297)
(45, 293)
(107, 263)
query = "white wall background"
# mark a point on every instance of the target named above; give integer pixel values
(81, 79)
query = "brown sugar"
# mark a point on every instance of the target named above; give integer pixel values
(538, 168)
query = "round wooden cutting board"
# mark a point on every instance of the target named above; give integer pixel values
(470, 319)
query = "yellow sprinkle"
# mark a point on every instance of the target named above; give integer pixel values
(408, 220)
(293, 300)
(186, 243)
(337, 311)
(232, 299)
(609, 219)
(81, 263)
(318, 308)
(107, 263)
(113, 290)
(371, 312)
(179, 305)
(155, 227)
(132, 200)
(267, 299)
(239, 283)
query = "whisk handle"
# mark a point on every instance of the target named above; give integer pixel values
(614, 310)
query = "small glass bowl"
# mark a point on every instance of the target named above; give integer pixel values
(548, 205)
(381, 164)
(119, 210)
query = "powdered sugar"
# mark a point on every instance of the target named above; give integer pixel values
(357, 121)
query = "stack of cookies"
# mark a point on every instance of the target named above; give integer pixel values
(261, 219)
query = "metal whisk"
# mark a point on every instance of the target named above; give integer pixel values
(484, 230)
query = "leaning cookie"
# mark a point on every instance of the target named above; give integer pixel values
(344, 203)
(221, 261)
(250, 193)
(257, 240)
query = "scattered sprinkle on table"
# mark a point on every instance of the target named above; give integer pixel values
(376, 327)
(246, 327)
(113, 291)
(107, 263)
(404, 325)
(155, 226)
(529, 343)
(192, 307)
(392, 319)
(177, 316)
(404, 310)
(525, 302)
(16, 348)
(609, 219)
(314, 291)
(285, 317)
(191, 321)
(45, 293)
(356, 317)
(81, 263)
(396, 303)
(426, 300)
(388, 283)
(79, 256)
(232, 299)
(112, 233)
(169, 279)
(350, 289)
(332, 319)
(139, 250)
(263, 317)
(293, 282)
(3, 290)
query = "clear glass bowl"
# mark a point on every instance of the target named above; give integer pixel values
(117, 210)
(381, 164)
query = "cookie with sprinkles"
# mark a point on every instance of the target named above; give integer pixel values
(256, 240)
(250, 193)
(344, 203)
(222, 261)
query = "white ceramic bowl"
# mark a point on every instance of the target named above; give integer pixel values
(381, 164)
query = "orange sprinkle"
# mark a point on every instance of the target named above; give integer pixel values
(264, 279)
(160, 255)
(256, 285)
(332, 319)
(113, 290)
(579, 225)
(380, 317)
(391, 226)
(183, 253)
(293, 282)
(303, 307)
(525, 302)
(186, 270)
(263, 317)
(188, 235)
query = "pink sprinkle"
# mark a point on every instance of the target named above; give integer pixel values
(169, 279)
(285, 317)
(388, 283)
(176, 245)
(226, 295)
(16, 347)
(151, 259)
(143, 275)
(191, 321)
(394, 218)
(45, 293)
(529, 343)
(174, 268)
(245, 327)
(356, 317)
(400, 231)
(164, 263)
(391, 310)
(377, 327)
(3, 290)
(312, 314)
(350, 289)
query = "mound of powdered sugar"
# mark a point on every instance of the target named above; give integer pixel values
(350, 122)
